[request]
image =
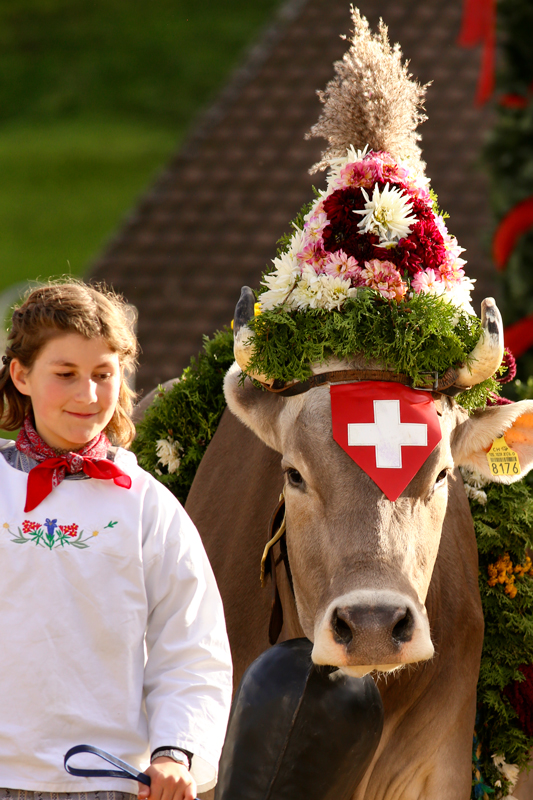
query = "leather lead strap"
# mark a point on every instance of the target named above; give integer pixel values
(269, 563)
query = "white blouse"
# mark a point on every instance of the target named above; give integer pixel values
(111, 631)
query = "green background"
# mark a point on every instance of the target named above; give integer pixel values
(95, 95)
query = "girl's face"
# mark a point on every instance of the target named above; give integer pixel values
(73, 385)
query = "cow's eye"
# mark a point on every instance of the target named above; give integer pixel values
(294, 477)
(441, 477)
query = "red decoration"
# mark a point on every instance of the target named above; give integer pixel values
(515, 223)
(388, 429)
(479, 27)
(519, 336)
(520, 696)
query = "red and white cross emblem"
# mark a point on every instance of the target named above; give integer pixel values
(388, 429)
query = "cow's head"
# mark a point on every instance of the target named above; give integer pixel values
(361, 563)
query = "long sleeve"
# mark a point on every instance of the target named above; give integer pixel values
(187, 680)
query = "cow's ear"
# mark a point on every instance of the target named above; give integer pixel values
(258, 409)
(473, 438)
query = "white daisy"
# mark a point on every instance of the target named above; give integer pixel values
(167, 451)
(322, 291)
(280, 282)
(335, 291)
(386, 214)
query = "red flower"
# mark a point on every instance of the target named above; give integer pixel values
(422, 249)
(69, 530)
(30, 527)
(340, 205)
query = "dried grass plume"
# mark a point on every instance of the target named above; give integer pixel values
(373, 100)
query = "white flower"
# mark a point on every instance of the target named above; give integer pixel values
(427, 282)
(296, 243)
(459, 295)
(280, 282)
(509, 771)
(386, 214)
(335, 291)
(168, 454)
(474, 483)
(321, 291)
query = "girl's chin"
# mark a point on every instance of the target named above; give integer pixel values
(80, 435)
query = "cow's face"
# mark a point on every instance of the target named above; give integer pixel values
(362, 564)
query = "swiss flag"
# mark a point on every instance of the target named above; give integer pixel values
(388, 429)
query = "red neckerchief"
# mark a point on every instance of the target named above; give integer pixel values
(45, 476)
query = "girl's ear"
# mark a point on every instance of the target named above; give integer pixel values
(19, 376)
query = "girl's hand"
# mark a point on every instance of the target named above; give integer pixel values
(170, 781)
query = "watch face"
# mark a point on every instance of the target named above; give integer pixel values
(176, 755)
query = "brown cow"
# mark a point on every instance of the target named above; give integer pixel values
(384, 586)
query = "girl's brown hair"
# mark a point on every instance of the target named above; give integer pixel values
(70, 307)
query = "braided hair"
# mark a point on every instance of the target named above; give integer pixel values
(70, 307)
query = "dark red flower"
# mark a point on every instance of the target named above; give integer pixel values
(340, 206)
(520, 696)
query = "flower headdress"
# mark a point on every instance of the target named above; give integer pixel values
(373, 240)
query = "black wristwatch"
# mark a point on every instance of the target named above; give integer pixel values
(175, 753)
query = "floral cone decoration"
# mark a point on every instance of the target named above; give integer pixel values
(377, 226)
(370, 267)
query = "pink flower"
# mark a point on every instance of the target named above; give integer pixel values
(452, 273)
(427, 282)
(312, 255)
(391, 170)
(341, 265)
(361, 174)
(384, 278)
(315, 225)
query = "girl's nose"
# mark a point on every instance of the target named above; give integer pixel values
(87, 392)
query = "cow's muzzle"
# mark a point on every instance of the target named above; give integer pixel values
(371, 630)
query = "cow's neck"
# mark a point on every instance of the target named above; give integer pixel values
(430, 707)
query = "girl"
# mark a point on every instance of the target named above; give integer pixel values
(111, 625)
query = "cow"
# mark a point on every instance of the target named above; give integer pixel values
(378, 586)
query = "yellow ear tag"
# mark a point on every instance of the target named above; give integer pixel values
(502, 459)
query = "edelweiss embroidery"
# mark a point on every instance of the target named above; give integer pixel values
(51, 535)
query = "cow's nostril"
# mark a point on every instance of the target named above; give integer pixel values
(404, 628)
(341, 630)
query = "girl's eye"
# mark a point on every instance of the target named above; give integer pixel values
(65, 374)
(294, 478)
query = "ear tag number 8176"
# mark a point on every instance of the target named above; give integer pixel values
(502, 459)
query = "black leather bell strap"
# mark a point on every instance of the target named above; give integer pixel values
(125, 770)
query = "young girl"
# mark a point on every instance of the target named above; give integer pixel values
(111, 626)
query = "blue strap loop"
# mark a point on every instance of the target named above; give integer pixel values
(125, 771)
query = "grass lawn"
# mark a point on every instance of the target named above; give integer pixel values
(95, 95)
(65, 186)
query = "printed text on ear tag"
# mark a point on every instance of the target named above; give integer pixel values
(502, 459)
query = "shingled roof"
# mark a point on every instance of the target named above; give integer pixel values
(210, 223)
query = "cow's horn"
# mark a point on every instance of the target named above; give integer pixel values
(242, 349)
(487, 355)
